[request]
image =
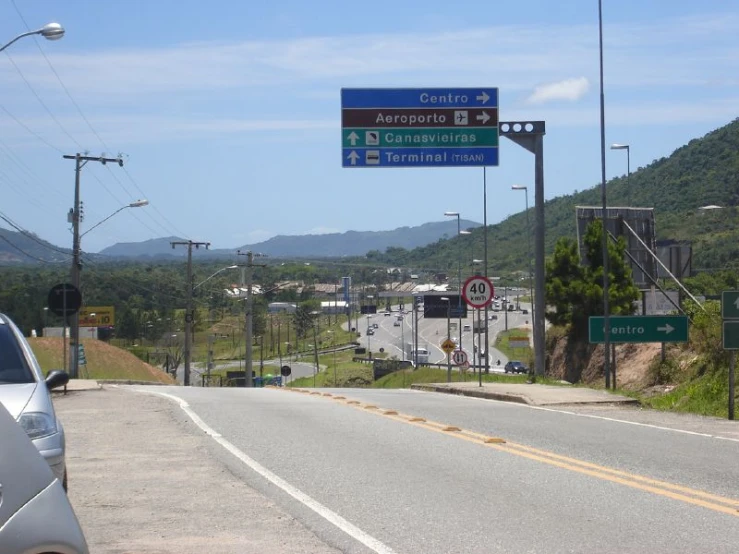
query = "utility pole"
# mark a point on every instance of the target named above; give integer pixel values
(74, 338)
(248, 315)
(188, 310)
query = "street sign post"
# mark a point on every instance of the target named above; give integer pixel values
(459, 357)
(649, 328)
(478, 291)
(730, 336)
(424, 127)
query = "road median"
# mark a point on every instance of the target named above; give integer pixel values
(530, 394)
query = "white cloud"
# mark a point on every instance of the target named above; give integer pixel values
(569, 89)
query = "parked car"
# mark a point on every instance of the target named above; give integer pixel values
(467, 327)
(375, 326)
(514, 366)
(35, 513)
(27, 396)
(396, 323)
(370, 331)
(524, 311)
(387, 313)
(493, 316)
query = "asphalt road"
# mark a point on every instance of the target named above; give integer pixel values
(431, 333)
(365, 479)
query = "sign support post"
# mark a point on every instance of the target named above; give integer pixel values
(730, 338)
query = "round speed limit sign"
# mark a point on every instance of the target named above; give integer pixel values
(478, 291)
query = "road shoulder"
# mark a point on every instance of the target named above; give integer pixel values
(142, 480)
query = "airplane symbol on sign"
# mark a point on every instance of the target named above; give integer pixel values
(461, 118)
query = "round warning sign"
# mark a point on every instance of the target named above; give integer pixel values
(478, 291)
(459, 357)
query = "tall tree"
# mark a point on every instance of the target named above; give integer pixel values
(576, 291)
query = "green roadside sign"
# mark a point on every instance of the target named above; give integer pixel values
(730, 304)
(731, 335)
(419, 137)
(640, 328)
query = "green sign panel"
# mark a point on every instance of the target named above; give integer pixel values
(640, 328)
(730, 304)
(731, 335)
(419, 138)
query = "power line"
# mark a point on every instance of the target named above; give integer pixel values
(40, 101)
(30, 235)
(30, 131)
(94, 132)
(19, 249)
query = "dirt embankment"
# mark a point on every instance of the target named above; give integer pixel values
(577, 361)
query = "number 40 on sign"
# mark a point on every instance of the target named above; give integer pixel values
(478, 291)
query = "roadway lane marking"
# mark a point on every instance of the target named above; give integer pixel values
(673, 491)
(611, 419)
(332, 517)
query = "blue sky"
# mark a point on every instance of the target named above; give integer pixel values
(228, 112)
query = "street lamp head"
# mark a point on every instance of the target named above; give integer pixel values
(616, 146)
(138, 204)
(52, 31)
(451, 214)
(519, 187)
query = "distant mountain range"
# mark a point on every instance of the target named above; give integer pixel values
(16, 247)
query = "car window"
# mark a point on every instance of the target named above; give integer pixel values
(13, 366)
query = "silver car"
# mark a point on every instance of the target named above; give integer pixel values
(26, 395)
(35, 514)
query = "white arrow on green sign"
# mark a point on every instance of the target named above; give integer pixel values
(730, 304)
(640, 328)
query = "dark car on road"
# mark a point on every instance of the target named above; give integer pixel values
(514, 366)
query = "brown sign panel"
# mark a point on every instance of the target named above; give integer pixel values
(415, 117)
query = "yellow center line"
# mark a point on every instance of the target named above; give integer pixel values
(673, 491)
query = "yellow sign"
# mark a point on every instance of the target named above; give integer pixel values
(448, 346)
(97, 316)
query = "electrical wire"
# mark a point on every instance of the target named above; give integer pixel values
(19, 249)
(97, 135)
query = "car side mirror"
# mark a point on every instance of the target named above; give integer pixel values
(56, 378)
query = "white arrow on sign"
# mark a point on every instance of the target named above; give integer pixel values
(484, 118)
(353, 157)
(353, 138)
(667, 329)
(736, 302)
(483, 97)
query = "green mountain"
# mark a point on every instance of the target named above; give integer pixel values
(24, 247)
(704, 172)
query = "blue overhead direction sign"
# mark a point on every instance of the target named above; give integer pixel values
(419, 157)
(420, 127)
(479, 97)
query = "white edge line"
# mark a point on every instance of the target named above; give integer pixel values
(593, 416)
(330, 516)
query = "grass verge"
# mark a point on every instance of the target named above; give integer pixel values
(103, 361)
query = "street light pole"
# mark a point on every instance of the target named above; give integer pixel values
(80, 162)
(50, 31)
(604, 242)
(189, 316)
(459, 274)
(531, 271)
(626, 147)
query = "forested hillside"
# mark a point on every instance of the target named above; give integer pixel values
(703, 172)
